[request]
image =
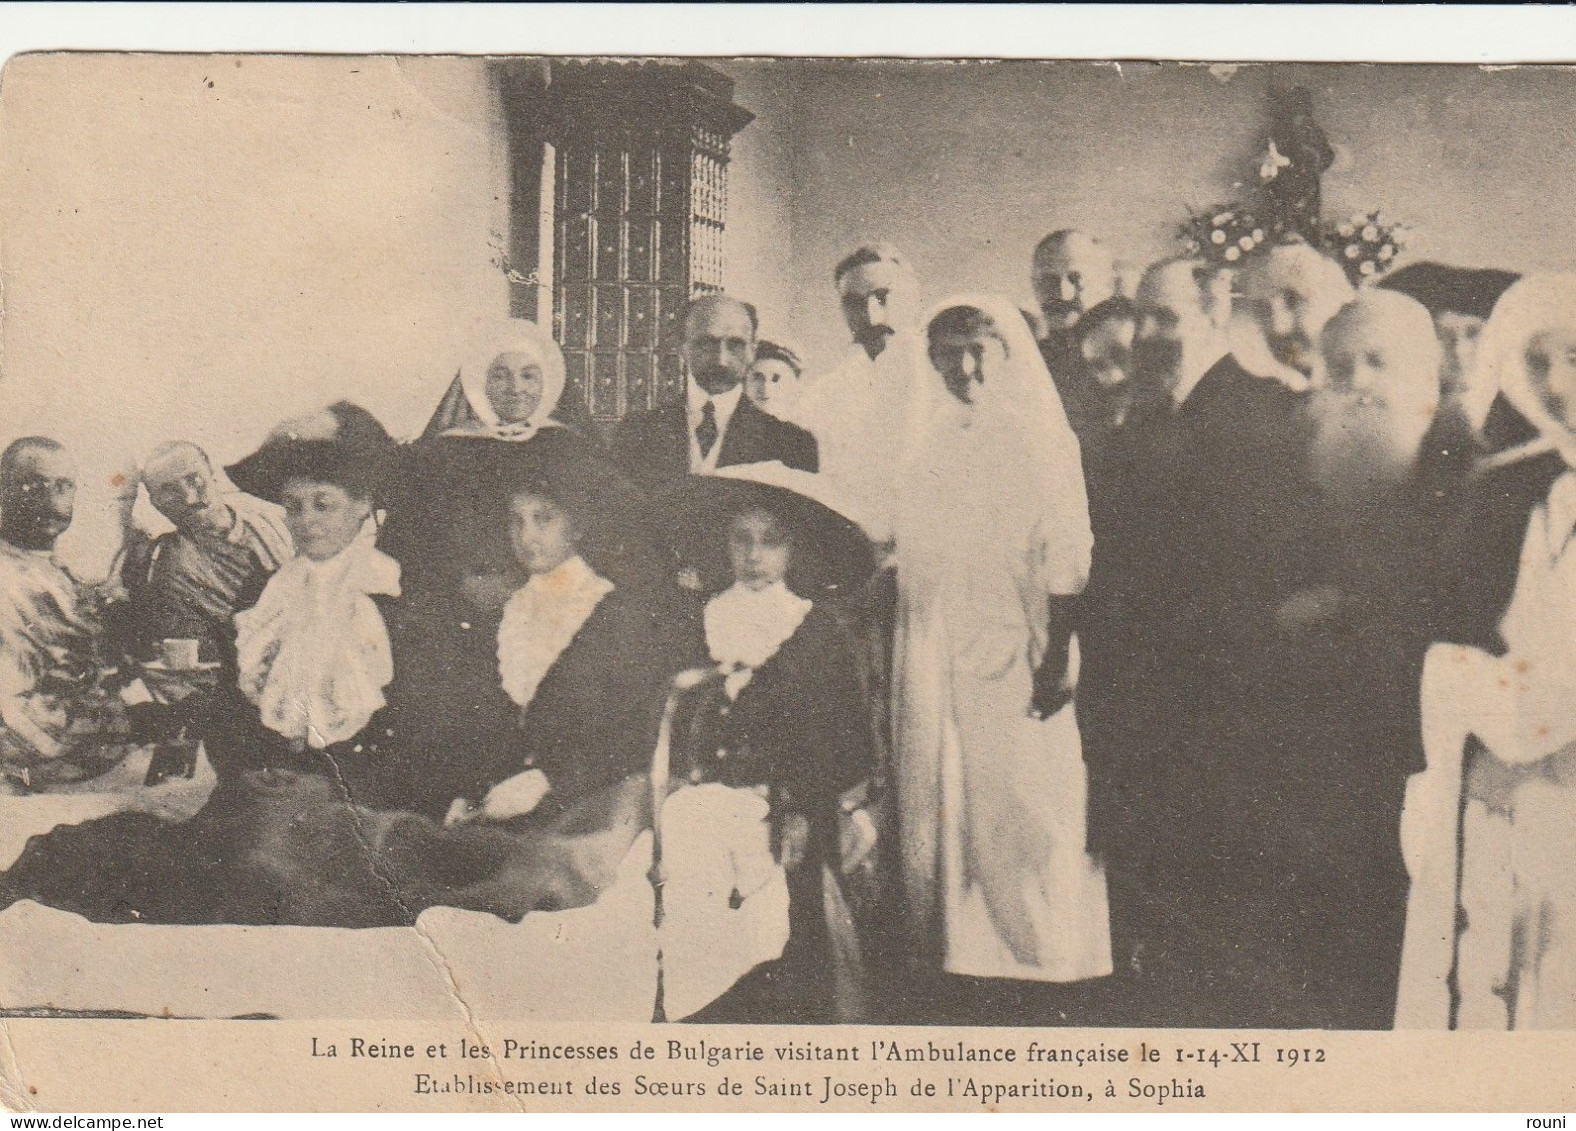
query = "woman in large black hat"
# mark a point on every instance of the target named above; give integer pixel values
(787, 714)
(584, 649)
(314, 653)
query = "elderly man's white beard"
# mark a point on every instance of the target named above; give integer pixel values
(1362, 452)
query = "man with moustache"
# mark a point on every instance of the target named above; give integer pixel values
(715, 425)
(1071, 273)
(1289, 293)
(55, 713)
(869, 410)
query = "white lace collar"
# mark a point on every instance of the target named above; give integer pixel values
(745, 628)
(314, 653)
(541, 620)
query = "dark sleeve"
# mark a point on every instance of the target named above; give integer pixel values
(126, 626)
(800, 447)
(1049, 695)
(814, 720)
(134, 567)
(400, 536)
(1482, 557)
(594, 718)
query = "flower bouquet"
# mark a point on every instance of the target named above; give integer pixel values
(1223, 235)
(1365, 245)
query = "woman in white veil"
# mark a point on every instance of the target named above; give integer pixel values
(993, 543)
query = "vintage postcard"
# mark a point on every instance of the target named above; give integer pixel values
(548, 583)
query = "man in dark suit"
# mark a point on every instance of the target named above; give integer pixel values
(715, 425)
(1175, 499)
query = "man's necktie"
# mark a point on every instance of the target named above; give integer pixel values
(706, 430)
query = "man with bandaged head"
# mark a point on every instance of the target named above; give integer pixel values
(1289, 293)
(189, 583)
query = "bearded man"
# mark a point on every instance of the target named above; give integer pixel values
(1330, 635)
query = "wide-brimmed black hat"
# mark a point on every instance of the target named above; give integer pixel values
(343, 445)
(1440, 287)
(612, 516)
(831, 552)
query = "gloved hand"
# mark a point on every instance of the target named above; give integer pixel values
(516, 796)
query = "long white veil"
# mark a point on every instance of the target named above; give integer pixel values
(992, 523)
(1012, 457)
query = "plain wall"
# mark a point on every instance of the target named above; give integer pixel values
(967, 165)
(200, 247)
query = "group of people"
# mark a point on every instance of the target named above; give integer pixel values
(1073, 657)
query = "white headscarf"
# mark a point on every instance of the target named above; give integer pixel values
(501, 336)
(1535, 305)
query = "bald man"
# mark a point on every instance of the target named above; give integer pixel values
(1071, 272)
(715, 425)
(52, 705)
(190, 582)
(1184, 503)
(1289, 293)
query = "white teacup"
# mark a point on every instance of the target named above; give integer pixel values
(179, 655)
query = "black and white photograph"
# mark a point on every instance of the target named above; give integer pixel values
(797, 542)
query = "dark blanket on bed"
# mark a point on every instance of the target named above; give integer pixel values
(284, 847)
